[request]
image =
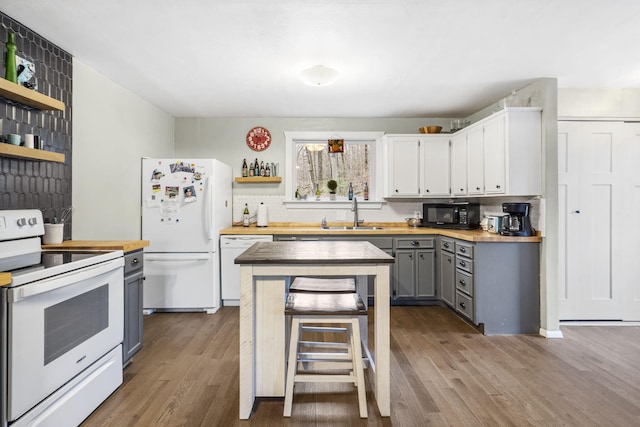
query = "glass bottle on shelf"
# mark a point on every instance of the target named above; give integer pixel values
(318, 192)
(256, 166)
(245, 216)
(366, 191)
(10, 64)
(245, 169)
(251, 170)
(350, 191)
(262, 170)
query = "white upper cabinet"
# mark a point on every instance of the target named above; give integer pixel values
(436, 162)
(459, 164)
(403, 157)
(475, 161)
(500, 155)
(418, 165)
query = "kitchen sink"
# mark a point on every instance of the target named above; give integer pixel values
(353, 228)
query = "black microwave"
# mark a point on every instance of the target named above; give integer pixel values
(465, 216)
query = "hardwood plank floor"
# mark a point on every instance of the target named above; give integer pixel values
(443, 372)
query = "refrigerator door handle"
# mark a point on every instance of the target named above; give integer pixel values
(209, 219)
(177, 257)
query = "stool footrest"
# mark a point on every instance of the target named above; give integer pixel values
(323, 329)
(321, 344)
(328, 378)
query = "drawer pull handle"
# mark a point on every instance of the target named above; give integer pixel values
(463, 283)
(415, 243)
(463, 264)
(463, 305)
(463, 249)
(135, 261)
(446, 245)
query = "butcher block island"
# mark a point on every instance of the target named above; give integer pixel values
(264, 271)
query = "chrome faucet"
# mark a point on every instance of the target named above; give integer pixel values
(354, 209)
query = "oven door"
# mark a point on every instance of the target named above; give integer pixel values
(58, 327)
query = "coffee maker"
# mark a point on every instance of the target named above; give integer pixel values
(516, 222)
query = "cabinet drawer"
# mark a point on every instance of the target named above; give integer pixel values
(447, 245)
(132, 262)
(464, 249)
(464, 282)
(380, 242)
(464, 305)
(464, 264)
(415, 243)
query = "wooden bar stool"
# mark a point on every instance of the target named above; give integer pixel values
(323, 284)
(311, 366)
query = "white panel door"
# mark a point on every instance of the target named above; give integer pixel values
(596, 268)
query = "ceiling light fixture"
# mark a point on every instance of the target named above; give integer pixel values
(319, 75)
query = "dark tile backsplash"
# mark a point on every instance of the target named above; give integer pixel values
(29, 184)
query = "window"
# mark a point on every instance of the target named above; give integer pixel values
(310, 165)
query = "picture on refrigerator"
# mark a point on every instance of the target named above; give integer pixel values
(185, 204)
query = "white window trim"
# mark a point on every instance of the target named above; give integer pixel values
(377, 174)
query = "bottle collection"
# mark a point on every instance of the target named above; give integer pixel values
(258, 168)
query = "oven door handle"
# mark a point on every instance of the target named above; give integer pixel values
(62, 281)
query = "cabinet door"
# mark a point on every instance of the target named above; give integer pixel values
(405, 274)
(426, 273)
(404, 167)
(132, 341)
(459, 164)
(436, 166)
(447, 278)
(475, 161)
(494, 155)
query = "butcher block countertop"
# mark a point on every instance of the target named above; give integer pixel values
(107, 245)
(5, 279)
(388, 228)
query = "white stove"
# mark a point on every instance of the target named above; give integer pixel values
(61, 321)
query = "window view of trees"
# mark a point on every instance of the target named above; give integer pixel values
(315, 166)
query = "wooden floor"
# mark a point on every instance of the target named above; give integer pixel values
(442, 373)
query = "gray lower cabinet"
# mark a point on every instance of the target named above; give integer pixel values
(447, 271)
(133, 278)
(464, 304)
(414, 269)
(494, 285)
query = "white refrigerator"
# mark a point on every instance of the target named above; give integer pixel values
(185, 204)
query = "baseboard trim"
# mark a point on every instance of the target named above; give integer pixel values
(551, 334)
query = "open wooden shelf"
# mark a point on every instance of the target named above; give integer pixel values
(28, 97)
(258, 179)
(9, 150)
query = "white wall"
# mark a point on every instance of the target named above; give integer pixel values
(112, 129)
(599, 103)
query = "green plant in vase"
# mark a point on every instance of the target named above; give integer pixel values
(332, 185)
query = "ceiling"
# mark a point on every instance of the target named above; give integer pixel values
(396, 58)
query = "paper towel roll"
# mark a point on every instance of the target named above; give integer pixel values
(262, 220)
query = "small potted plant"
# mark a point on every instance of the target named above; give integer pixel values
(332, 185)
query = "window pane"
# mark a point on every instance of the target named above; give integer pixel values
(315, 166)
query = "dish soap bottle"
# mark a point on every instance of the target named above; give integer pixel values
(245, 216)
(350, 191)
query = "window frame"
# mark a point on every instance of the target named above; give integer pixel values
(376, 171)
